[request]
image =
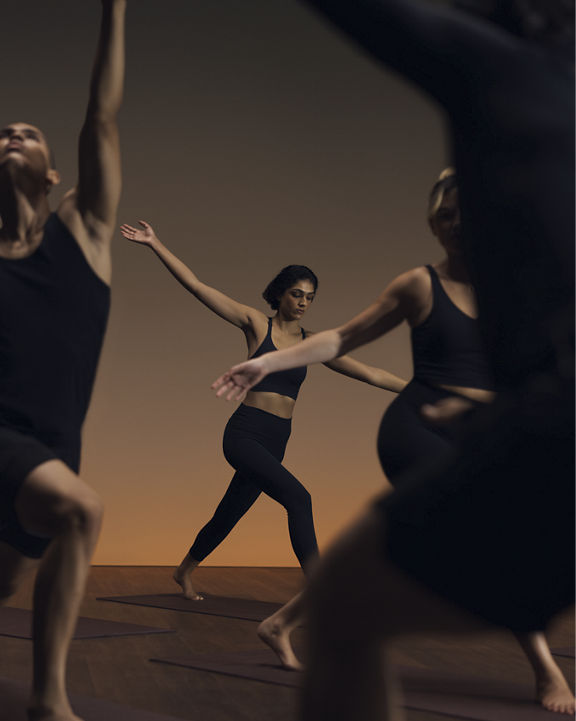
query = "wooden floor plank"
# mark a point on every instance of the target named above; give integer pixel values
(118, 670)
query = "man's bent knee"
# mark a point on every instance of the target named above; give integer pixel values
(53, 499)
(83, 513)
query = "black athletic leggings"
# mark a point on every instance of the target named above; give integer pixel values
(406, 439)
(254, 444)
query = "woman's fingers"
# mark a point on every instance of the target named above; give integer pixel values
(227, 386)
(223, 385)
(219, 382)
(236, 394)
(129, 232)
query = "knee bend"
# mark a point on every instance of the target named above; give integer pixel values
(83, 512)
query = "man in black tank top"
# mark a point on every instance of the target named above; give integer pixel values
(54, 300)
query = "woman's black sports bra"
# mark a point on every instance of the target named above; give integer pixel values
(285, 383)
(447, 347)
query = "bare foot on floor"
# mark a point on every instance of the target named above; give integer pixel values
(184, 580)
(278, 639)
(554, 694)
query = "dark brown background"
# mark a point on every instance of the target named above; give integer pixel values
(253, 137)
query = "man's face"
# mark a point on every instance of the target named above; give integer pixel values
(26, 146)
(25, 152)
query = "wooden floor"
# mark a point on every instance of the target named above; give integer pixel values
(118, 669)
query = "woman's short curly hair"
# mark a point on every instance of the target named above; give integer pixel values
(285, 279)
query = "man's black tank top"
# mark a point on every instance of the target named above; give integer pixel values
(285, 383)
(447, 348)
(53, 314)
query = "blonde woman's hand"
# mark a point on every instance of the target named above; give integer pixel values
(235, 383)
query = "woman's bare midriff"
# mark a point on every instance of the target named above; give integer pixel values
(274, 403)
(475, 394)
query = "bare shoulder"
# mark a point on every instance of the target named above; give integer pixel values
(413, 291)
(412, 284)
(93, 238)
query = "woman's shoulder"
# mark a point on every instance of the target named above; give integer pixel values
(413, 282)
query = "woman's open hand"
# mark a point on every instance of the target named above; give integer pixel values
(145, 235)
(235, 383)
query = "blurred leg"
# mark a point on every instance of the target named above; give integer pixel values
(359, 600)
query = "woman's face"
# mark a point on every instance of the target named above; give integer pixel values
(296, 300)
(445, 224)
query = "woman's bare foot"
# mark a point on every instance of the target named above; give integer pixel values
(552, 690)
(182, 576)
(554, 694)
(278, 639)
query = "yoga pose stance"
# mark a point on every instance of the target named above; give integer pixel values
(438, 303)
(257, 433)
(484, 537)
(54, 300)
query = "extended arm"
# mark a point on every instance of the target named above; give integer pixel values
(99, 177)
(396, 304)
(367, 374)
(236, 313)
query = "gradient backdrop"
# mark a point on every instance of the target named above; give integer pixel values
(253, 137)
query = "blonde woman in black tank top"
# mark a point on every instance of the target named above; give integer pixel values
(256, 435)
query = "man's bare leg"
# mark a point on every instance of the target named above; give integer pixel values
(183, 577)
(55, 503)
(552, 689)
(358, 601)
(275, 631)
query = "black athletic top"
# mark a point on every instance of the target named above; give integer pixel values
(53, 314)
(447, 347)
(285, 383)
(510, 109)
(509, 104)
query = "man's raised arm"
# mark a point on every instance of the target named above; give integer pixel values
(99, 172)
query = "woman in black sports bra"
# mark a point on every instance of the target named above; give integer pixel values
(257, 433)
(450, 368)
(451, 375)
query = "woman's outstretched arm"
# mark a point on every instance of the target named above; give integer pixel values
(231, 310)
(372, 375)
(397, 303)
(352, 368)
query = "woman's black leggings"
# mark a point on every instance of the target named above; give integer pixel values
(254, 444)
(405, 439)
